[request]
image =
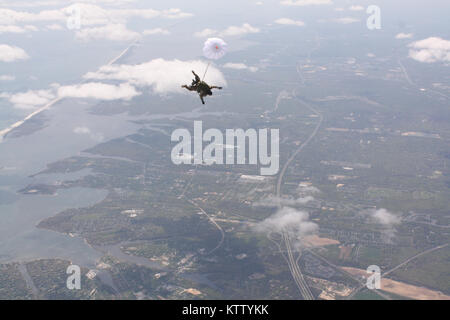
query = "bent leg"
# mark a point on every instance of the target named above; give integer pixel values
(201, 98)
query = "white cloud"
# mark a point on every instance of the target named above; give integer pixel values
(86, 131)
(12, 53)
(273, 201)
(384, 217)
(402, 35)
(97, 90)
(175, 13)
(303, 3)
(16, 29)
(239, 30)
(156, 31)
(162, 75)
(305, 195)
(9, 16)
(96, 22)
(91, 14)
(291, 221)
(29, 99)
(304, 189)
(30, 28)
(287, 21)
(114, 32)
(356, 8)
(94, 90)
(346, 20)
(7, 77)
(54, 27)
(11, 29)
(206, 33)
(386, 220)
(46, 3)
(239, 66)
(228, 32)
(430, 50)
(81, 130)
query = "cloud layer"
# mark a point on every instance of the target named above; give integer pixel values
(88, 20)
(90, 14)
(32, 99)
(161, 75)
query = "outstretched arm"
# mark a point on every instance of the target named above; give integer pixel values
(190, 88)
(197, 78)
(215, 87)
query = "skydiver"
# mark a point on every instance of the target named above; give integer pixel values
(202, 88)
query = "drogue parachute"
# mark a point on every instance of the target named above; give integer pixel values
(214, 48)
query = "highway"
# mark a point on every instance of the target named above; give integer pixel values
(292, 262)
(295, 270)
(222, 233)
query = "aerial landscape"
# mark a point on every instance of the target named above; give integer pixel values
(342, 172)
